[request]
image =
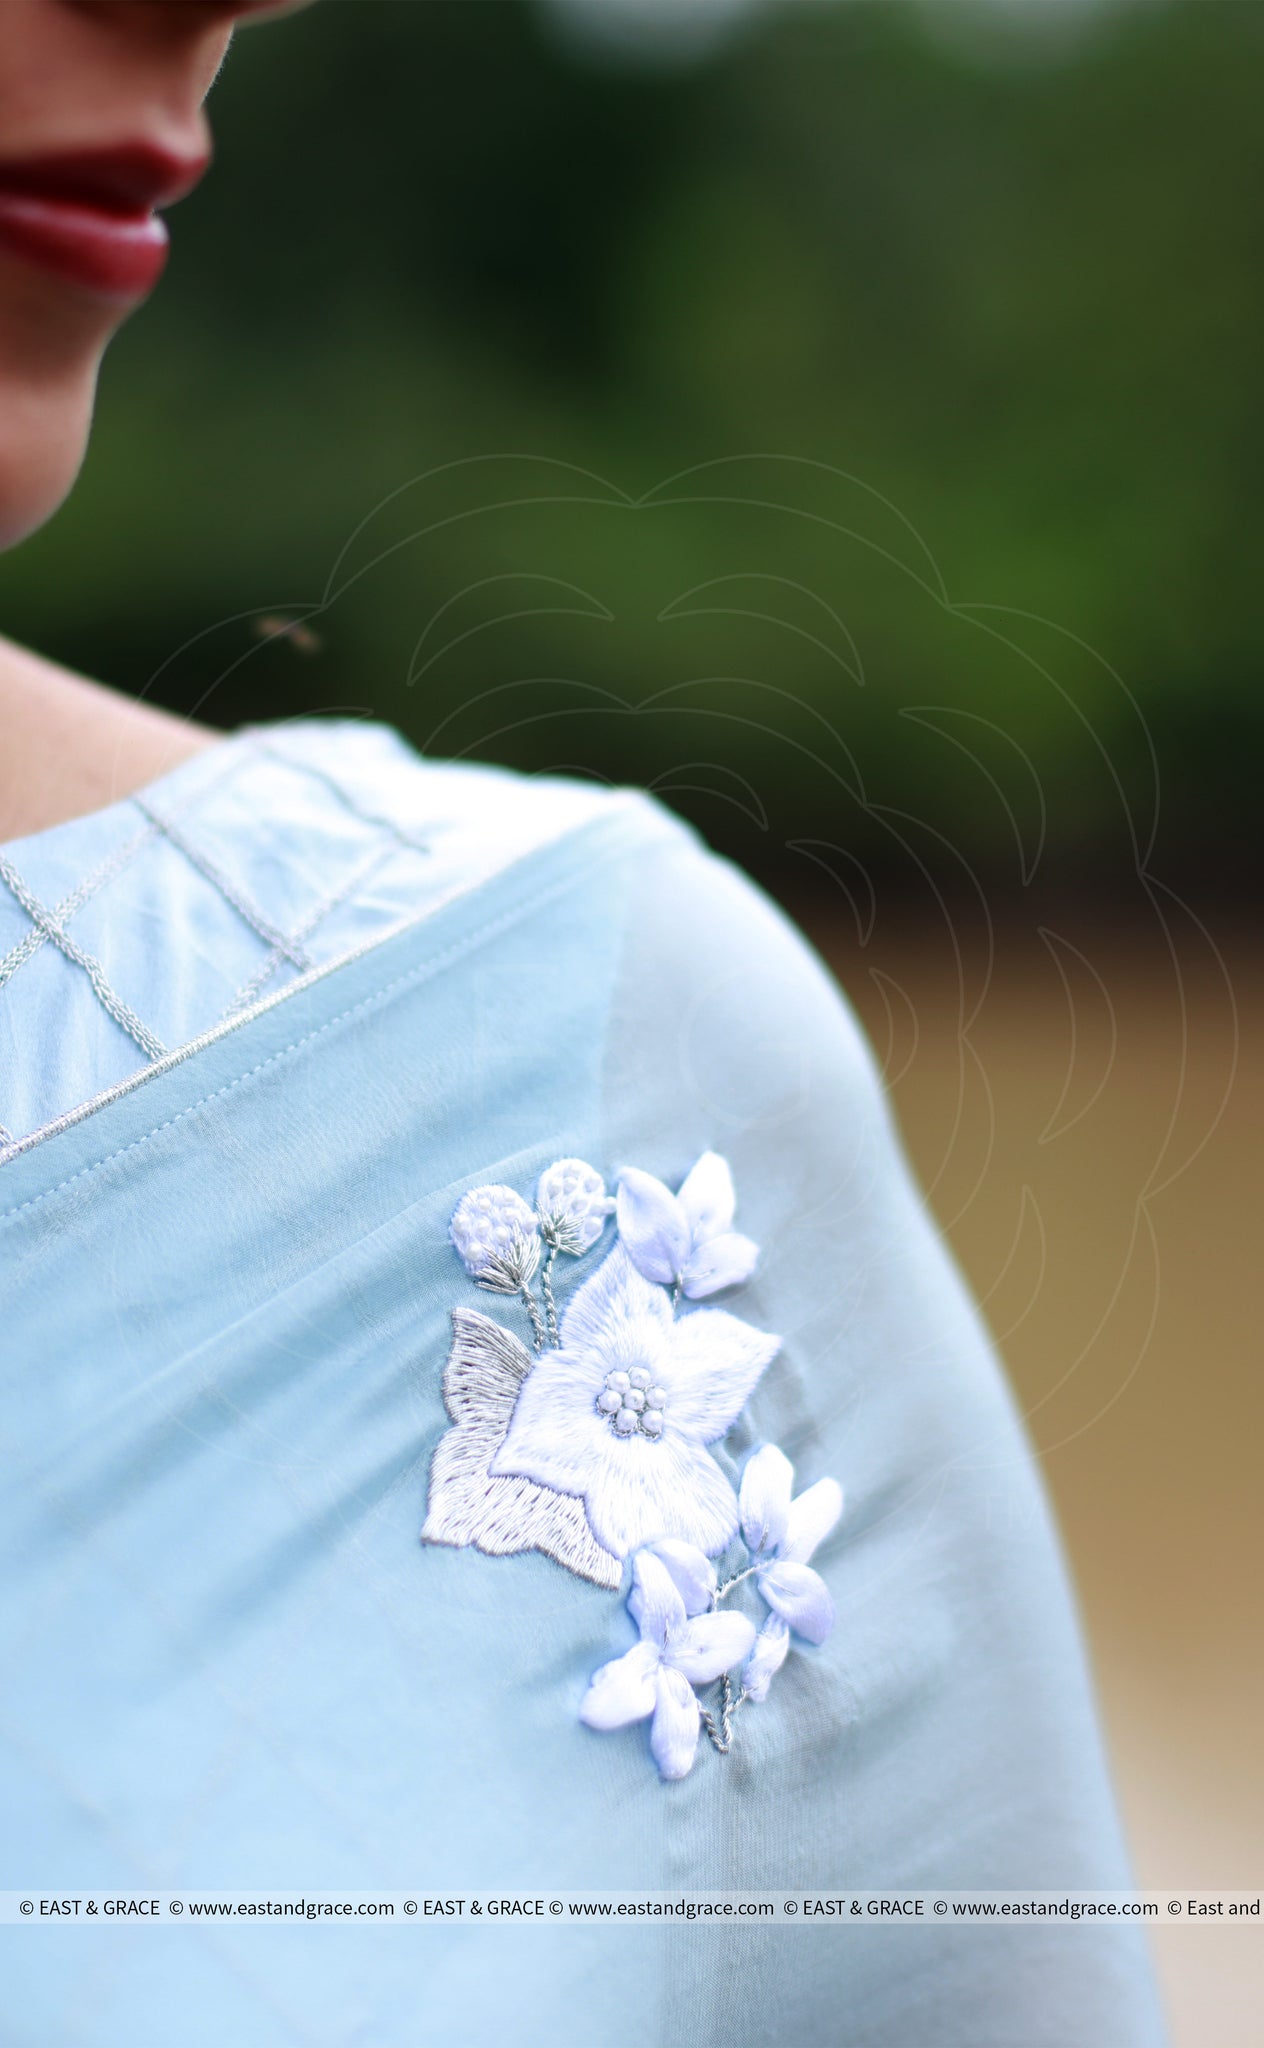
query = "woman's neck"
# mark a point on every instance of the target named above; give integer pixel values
(68, 746)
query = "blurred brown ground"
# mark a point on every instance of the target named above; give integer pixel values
(1090, 1143)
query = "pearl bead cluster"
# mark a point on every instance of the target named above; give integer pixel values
(495, 1236)
(632, 1404)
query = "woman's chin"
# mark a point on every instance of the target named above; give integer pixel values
(43, 435)
(52, 340)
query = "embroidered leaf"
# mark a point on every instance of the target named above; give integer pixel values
(499, 1515)
(485, 1369)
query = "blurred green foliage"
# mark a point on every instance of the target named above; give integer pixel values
(854, 435)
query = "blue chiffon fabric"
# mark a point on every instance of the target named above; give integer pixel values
(227, 1660)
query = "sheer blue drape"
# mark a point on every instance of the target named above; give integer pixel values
(226, 1659)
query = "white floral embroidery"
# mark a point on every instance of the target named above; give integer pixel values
(766, 1659)
(781, 1535)
(495, 1236)
(572, 1205)
(685, 1240)
(484, 1374)
(596, 1449)
(569, 1431)
(682, 1645)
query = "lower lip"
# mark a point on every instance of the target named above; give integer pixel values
(114, 256)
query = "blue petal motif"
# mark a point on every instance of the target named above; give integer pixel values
(685, 1240)
(801, 1597)
(766, 1659)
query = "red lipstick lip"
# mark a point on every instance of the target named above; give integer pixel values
(88, 216)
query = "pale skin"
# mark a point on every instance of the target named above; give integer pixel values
(82, 76)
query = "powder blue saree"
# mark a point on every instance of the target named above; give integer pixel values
(228, 1297)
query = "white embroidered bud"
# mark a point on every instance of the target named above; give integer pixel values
(572, 1205)
(495, 1236)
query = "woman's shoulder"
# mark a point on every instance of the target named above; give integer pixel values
(377, 772)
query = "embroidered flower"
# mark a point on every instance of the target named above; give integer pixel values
(572, 1205)
(766, 1659)
(781, 1535)
(638, 1481)
(495, 1236)
(681, 1646)
(685, 1240)
(596, 1449)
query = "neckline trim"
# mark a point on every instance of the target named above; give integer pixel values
(548, 867)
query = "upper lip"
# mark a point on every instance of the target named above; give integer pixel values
(127, 179)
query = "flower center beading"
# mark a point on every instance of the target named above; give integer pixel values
(632, 1404)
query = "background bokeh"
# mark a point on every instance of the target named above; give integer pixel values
(846, 419)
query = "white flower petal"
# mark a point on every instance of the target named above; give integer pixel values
(712, 1365)
(712, 1643)
(646, 1490)
(654, 1602)
(618, 1312)
(766, 1659)
(555, 1434)
(624, 1690)
(801, 1597)
(692, 1571)
(652, 1226)
(721, 1262)
(810, 1520)
(767, 1483)
(674, 1729)
(707, 1198)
